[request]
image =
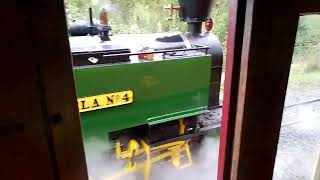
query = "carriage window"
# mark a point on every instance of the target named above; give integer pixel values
(299, 143)
(149, 78)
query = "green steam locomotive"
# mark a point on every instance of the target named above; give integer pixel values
(147, 95)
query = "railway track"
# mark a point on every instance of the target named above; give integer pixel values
(215, 114)
(303, 103)
(296, 105)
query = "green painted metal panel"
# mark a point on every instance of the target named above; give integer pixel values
(163, 91)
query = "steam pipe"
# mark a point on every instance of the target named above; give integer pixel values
(194, 27)
(90, 17)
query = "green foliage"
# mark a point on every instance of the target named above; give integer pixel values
(308, 34)
(307, 46)
(312, 58)
(143, 16)
(78, 9)
(220, 15)
(303, 76)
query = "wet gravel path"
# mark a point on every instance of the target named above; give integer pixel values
(299, 143)
(298, 95)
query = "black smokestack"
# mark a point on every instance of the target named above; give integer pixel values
(194, 12)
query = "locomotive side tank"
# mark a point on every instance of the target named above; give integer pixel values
(156, 90)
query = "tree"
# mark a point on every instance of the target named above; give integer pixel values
(143, 16)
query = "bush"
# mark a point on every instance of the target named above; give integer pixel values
(313, 63)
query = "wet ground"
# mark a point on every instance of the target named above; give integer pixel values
(299, 143)
(205, 163)
(295, 96)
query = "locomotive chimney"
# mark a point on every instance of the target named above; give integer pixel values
(194, 12)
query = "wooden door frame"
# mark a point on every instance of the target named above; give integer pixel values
(51, 50)
(250, 129)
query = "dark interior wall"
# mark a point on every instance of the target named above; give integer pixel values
(40, 134)
(24, 150)
(51, 48)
